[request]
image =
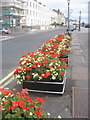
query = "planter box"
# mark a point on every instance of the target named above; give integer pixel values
(45, 87)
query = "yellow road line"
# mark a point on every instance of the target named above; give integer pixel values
(5, 78)
(6, 38)
(9, 81)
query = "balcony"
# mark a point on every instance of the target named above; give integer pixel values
(14, 4)
(13, 13)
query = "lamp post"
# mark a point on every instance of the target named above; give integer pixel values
(80, 21)
(68, 1)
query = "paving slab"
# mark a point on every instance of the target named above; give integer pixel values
(76, 52)
(79, 102)
(76, 48)
(76, 59)
(79, 73)
(75, 44)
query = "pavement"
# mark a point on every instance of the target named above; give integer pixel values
(77, 78)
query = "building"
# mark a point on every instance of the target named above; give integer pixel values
(60, 17)
(29, 14)
(13, 13)
(37, 14)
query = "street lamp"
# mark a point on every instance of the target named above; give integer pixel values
(80, 21)
(68, 1)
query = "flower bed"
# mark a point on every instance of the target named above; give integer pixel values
(20, 105)
(47, 64)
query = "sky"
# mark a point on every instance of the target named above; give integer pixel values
(75, 7)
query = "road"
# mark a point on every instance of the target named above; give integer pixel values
(22, 43)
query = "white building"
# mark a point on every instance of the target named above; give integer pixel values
(37, 14)
(28, 13)
(60, 18)
(13, 13)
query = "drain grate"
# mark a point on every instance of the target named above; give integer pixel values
(79, 102)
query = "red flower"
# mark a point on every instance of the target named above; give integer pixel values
(18, 114)
(14, 104)
(24, 91)
(47, 74)
(63, 59)
(34, 66)
(41, 100)
(62, 73)
(27, 69)
(2, 90)
(21, 103)
(38, 63)
(38, 112)
(9, 108)
(9, 93)
(17, 71)
(33, 104)
(66, 60)
(26, 108)
(21, 61)
(54, 61)
(45, 62)
(3, 102)
(13, 107)
(54, 55)
(28, 77)
(59, 67)
(49, 66)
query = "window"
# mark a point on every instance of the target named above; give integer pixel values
(27, 11)
(36, 6)
(30, 4)
(33, 5)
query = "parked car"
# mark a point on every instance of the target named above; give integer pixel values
(71, 28)
(87, 26)
(4, 31)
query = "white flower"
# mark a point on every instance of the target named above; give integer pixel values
(18, 82)
(18, 76)
(40, 78)
(50, 64)
(52, 69)
(53, 77)
(49, 114)
(23, 77)
(35, 75)
(38, 65)
(3, 99)
(59, 116)
(21, 58)
(31, 113)
(0, 93)
(23, 62)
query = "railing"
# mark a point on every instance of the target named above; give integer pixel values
(12, 13)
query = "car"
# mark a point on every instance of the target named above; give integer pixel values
(71, 28)
(4, 31)
(87, 26)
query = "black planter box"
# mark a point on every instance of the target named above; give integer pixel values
(45, 87)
